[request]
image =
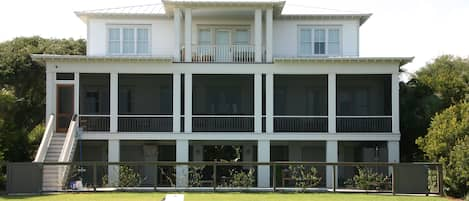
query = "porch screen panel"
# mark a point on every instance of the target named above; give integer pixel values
(145, 101)
(364, 103)
(94, 101)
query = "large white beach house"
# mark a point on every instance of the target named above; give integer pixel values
(185, 80)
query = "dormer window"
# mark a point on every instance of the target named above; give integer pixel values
(319, 41)
(128, 39)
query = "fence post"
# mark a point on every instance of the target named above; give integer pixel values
(440, 180)
(155, 181)
(334, 182)
(393, 179)
(94, 176)
(214, 177)
(274, 178)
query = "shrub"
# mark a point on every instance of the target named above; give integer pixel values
(196, 176)
(367, 179)
(303, 177)
(128, 177)
(242, 178)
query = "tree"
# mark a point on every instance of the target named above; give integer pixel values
(25, 79)
(447, 143)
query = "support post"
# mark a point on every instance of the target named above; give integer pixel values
(188, 34)
(187, 103)
(331, 91)
(263, 171)
(393, 151)
(182, 155)
(395, 102)
(113, 156)
(114, 94)
(268, 34)
(177, 34)
(258, 35)
(176, 102)
(331, 157)
(258, 103)
(269, 102)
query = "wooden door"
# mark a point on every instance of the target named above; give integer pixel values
(65, 106)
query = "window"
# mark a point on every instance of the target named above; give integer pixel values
(238, 35)
(241, 37)
(128, 40)
(319, 41)
(205, 37)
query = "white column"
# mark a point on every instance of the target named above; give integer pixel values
(393, 151)
(177, 34)
(188, 34)
(331, 91)
(176, 102)
(332, 156)
(114, 96)
(113, 156)
(395, 102)
(269, 102)
(182, 155)
(263, 171)
(268, 35)
(258, 35)
(50, 85)
(188, 103)
(76, 87)
(258, 103)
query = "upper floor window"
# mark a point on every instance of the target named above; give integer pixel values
(319, 41)
(128, 39)
(239, 35)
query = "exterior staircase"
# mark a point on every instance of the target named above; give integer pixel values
(50, 181)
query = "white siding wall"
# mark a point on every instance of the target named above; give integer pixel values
(162, 35)
(285, 36)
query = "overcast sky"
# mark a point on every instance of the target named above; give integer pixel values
(420, 28)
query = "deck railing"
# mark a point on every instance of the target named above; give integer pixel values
(300, 124)
(46, 139)
(94, 122)
(223, 123)
(145, 123)
(223, 53)
(364, 123)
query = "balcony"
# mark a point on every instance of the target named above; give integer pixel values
(222, 54)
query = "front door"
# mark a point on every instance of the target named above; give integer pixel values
(223, 46)
(65, 106)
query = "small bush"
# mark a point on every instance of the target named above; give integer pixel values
(196, 176)
(303, 177)
(242, 178)
(367, 179)
(128, 177)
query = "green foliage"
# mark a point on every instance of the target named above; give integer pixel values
(242, 178)
(196, 176)
(367, 179)
(128, 177)
(25, 78)
(447, 143)
(304, 177)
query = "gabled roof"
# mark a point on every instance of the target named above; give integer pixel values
(281, 10)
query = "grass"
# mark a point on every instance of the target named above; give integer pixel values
(118, 196)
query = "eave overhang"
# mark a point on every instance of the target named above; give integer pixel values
(399, 60)
(83, 58)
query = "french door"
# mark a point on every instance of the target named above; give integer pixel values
(65, 106)
(223, 45)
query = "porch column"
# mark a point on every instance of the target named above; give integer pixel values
(50, 100)
(332, 156)
(182, 155)
(258, 103)
(114, 96)
(76, 87)
(268, 35)
(188, 103)
(258, 35)
(331, 97)
(393, 151)
(176, 102)
(177, 34)
(188, 34)
(269, 102)
(113, 156)
(395, 102)
(263, 171)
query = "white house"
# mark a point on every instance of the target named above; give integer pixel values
(170, 81)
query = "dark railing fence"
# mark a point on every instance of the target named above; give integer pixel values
(349, 124)
(300, 124)
(223, 124)
(94, 123)
(145, 124)
(240, 176)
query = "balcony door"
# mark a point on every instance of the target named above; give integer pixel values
(65, 106)
(223, 44)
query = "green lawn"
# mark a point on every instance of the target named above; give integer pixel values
(224, 197)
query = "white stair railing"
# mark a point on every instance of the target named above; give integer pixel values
(46, 139)
(68, 147)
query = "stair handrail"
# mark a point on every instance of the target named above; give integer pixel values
(46, 139)
(67, 149)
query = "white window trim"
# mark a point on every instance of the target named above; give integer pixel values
(313, 28)
(135, 27)
(232, 29)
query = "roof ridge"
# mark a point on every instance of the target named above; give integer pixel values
(121, 7)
